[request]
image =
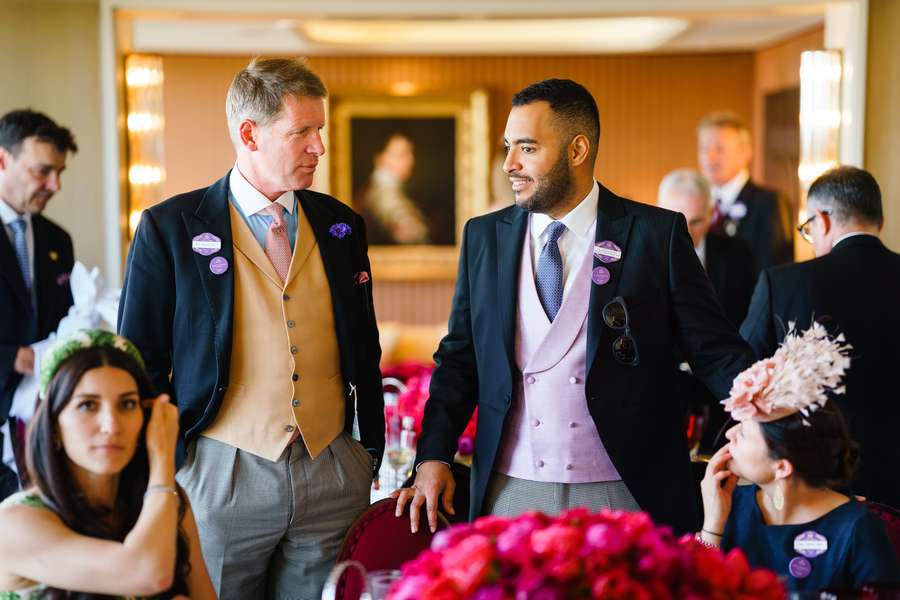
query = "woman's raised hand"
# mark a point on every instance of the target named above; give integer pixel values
(162, 436)
(717, 486)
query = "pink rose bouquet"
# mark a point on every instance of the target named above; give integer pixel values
(579, 554)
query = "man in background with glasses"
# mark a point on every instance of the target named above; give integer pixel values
(563, 328)
(853, 288)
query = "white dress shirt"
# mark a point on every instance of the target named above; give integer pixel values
(581, 224)
(728, 192)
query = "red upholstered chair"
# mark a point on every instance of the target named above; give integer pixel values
(379, 540)
(890, 516)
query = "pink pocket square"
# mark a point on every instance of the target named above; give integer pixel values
(361, 277)
(62, 279)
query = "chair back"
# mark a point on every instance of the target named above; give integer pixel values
(890, 516)
(378, 540)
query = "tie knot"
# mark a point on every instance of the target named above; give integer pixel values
(19, 225)
(274, 210)
(555, 230)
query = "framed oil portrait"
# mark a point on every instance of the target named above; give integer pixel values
(416, 168)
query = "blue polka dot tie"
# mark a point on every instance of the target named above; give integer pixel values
(549, 272)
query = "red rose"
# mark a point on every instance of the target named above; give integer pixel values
(468, 562)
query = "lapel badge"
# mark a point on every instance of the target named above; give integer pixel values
(206, 244)
(607, 251)
(54, 255)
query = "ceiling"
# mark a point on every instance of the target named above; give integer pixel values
(462, 27)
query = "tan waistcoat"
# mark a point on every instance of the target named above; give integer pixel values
(285, 361)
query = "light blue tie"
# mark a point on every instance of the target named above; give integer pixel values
(549, 273)
(21, 246)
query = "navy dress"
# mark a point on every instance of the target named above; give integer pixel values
(858, 552)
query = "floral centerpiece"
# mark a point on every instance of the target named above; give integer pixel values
(416, 376)
(579, 554)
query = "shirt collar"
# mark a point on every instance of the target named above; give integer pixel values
(9, 215)
(700, 249)
(728, 192)
(579, 220)
(250, 200)
(850, 235)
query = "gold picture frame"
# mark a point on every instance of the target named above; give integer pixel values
(391, 161)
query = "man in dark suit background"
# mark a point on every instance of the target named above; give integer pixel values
(36, 254)
(742, 208)
(251, 302)
(853, 288)
(728, 260)
(729, 264)
(641, 292)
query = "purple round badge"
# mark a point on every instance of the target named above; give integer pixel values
(600, 275)
(810, 544)
(206, 244)
(799, 567)
(218, 265)
(607, 251)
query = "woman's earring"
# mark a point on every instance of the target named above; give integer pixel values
(778, 498)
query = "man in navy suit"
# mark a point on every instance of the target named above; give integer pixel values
(743, 209)
(620, 286)
(853, 288)
(36, 254)
(251, 302)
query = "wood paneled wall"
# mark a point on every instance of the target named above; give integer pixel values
(882, 117)
(649, 107)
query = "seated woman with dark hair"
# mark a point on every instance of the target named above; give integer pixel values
(104, 517)
(794, 446)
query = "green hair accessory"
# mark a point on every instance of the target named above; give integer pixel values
(63, 349)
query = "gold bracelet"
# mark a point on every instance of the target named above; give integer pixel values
(159, 487)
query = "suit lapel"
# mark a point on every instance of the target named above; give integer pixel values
(42, 279)
(510, 237)
(9, 267)
(337, 258)
(615, 226)
(212, 216)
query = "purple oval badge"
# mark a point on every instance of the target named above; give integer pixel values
(607, 251)
(799, 567)
(218, 265)
(206, 244)
(600, 275)
(810, 544)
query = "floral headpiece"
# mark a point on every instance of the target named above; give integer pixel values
(63, 348)
(799, 377)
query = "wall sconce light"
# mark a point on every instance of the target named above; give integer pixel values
(144, 125)
(820, 116)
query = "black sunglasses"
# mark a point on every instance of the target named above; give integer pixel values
(624, 348)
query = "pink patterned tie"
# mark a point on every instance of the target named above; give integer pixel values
(278, 248)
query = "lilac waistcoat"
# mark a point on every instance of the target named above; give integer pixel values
(549, 434)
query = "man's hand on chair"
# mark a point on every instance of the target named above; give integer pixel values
(434, 481)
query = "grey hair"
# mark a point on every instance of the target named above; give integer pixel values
(257, 92)
(685, 180)
(848, 194)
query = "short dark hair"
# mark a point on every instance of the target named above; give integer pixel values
(819, 446)
(848, 193)
(570, 102)
(17, 125)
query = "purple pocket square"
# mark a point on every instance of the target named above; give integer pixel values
(361, 277)
(62, 279)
